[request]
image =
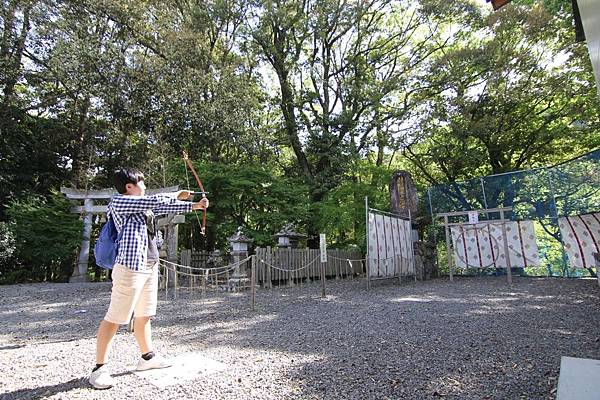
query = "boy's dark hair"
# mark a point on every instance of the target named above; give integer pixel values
(123, 176)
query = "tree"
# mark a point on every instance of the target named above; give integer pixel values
(246, 195)
(511, 94)
(46, 237)
(344, 69)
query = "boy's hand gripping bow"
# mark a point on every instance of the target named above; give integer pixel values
(202, 191)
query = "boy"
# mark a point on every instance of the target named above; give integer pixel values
(135, 273)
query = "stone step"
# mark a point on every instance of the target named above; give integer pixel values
(579, 379)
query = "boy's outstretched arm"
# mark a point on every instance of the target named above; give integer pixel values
(138, 204)
(179, 206)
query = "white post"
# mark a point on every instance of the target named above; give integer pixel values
(597, 259)
(172, 234)
(412, 247)
(448, 249)
(367, 263)
(323, 252)
(253, 281)
(506, 250)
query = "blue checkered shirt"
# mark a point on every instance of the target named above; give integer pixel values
(129, 213)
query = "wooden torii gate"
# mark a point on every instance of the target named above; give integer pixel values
(89, 209)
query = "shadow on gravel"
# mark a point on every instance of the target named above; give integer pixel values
(473, 339)
(46, 391)
(11, 347)
(51, 390)
(476, 338)
(49, 313)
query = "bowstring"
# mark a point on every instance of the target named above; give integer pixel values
(187, 179)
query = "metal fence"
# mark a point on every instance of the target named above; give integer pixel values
(542, 195)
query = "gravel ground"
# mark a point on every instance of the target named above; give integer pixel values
(475, 338)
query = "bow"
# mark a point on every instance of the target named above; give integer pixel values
(199, 182)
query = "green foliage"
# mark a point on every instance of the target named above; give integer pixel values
(7, 243)
(555, 6)
(501, 101)
(341, 214)
(46, 236)
(293, 107)
(251, 196)
(32, 157)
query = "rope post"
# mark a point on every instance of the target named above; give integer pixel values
(166, 282)
(367, 241)
(268, 269)
(398, 262)
(299, 276)
(175, 280)
(323, 280)
(130, 324)
(597, 261)
(448, 250)
(506, 251)
(411, 254)
(253, 282)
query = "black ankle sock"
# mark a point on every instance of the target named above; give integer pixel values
(97, 366)
(148, 355)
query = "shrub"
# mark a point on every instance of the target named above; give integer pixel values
(46, 236)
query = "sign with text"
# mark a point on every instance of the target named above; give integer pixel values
(473, 217)
(323, 246)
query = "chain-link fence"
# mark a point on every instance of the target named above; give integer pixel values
(542, 195)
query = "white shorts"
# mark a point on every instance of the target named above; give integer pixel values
(132, 292)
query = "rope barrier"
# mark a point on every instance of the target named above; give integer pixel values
(346, 259)
(206, 269)
(189, 267)
(289, 270)
(224, 269)
(207, 275)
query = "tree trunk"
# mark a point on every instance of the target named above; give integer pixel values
(81, 150)
(12, 54)
(289, 116)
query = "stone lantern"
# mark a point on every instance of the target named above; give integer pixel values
(288, 237)
(239, 244)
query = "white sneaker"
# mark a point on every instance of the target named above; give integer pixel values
(101, 379)
(153, 363)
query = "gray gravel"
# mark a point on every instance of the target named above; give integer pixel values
(475, 338)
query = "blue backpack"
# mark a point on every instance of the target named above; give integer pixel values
(107, 245)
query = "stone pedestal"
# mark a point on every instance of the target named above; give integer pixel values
(239, 244)
(425, 260)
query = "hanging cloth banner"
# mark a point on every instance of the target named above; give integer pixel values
(481, 245)
(390, 246)
(581, 237)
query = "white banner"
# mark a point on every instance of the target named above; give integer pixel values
(390, 246)
(581, 237)
(481, 245)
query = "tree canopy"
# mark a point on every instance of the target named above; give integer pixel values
(292, 110)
